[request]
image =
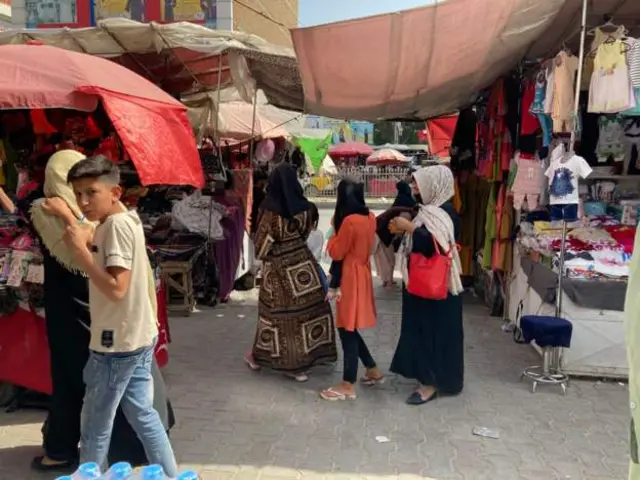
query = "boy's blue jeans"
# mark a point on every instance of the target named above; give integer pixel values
(124, 379)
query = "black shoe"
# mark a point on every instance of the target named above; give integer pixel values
(65, 466)
(416, 399)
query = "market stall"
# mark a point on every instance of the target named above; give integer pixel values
(56, 99)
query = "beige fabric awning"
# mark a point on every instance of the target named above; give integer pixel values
(433, 60)
(183, 58)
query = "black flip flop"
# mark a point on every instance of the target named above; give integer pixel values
(38, 465)
(416, 399)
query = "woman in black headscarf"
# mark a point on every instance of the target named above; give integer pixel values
(295, 324)
(385, 254)
(404, 198)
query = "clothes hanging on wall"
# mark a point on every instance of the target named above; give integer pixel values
(599, 37)
(633, 64)
(563, 174)
(474, 196)
(463, 143)
(611, 139)
(610, 90)
(527, 181)
(565, 68)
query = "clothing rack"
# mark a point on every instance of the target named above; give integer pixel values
(576, 111)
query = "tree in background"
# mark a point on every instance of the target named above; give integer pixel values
(383, 132)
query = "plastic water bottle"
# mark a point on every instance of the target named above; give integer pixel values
(118, 471)
(152, 472)
(188, 475)
(86, 471)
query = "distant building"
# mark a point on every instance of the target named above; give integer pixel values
(342, 130)
(5, 14)
(270, 19)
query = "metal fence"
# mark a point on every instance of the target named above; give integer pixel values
(379, 182)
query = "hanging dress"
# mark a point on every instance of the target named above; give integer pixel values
(633, 64)
(599, 37)
(610, 90)
(565, 68)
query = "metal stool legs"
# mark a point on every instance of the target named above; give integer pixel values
(549, 372)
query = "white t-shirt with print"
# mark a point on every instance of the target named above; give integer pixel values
(563, 175)
(130, 323)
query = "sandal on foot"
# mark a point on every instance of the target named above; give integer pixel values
(298, 377)
(370, 381)
(253, 366)
(333, 395)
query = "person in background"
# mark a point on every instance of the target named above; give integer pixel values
(315, 242)
(260, 179)
(351, 246)
(66, 299)
(354, 203)
(123, 310)
(385, 254)
(404, 198)
(431, 345)
(295, 325)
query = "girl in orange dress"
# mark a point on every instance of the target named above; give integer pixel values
(352, 245)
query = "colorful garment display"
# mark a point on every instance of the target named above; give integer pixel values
(610, 90)
(563, 175)
(474, 194)
(611, 142)
(527, 181)
(565, 68)
(599, 37)
(632, 46)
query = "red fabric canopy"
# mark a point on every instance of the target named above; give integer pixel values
(350, 149)
(153, 126)
(440, 133)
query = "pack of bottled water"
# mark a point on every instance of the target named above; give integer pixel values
(123, 471)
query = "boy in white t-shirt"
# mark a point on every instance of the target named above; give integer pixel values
(123, 317)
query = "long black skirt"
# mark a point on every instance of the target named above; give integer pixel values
(431, 345)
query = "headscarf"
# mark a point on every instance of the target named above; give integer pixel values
(51, 229)
(404, 197)
(284, 193)
(436, 187)
(350, 201)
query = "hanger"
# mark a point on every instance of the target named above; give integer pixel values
(608, 24)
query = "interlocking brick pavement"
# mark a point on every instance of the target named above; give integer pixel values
(240, 425)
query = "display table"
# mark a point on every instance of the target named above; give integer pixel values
(598, 342)
(24, 351)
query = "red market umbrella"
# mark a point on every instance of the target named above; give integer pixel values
(153, 126)
(386, 156)
(350, 149)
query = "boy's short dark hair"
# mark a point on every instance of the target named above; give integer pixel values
(98, 167)
(315, 215)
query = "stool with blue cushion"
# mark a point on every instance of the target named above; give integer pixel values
(551, 334)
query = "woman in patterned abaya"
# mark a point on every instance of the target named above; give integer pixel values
(295, 325)
(430, 349)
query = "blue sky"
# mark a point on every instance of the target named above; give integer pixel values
(315, 12)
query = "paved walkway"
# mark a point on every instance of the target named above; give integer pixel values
(236, 424)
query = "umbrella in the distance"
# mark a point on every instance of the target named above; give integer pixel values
(350, 149)
(386, 156)
(153, 126)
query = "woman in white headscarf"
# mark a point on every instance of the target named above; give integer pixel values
(66, 297)
(430, 349)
